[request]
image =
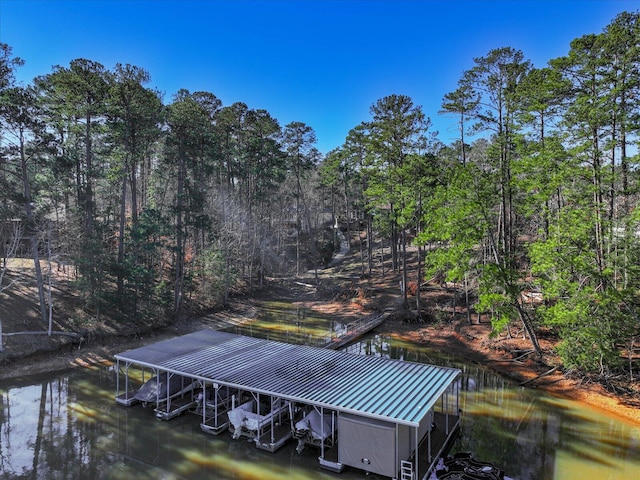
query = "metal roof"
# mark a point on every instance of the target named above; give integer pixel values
(392, 390)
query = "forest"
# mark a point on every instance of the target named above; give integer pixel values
(158, 208)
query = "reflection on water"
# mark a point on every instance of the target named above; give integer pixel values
(67, 426)
(527, 433)
(288, 323)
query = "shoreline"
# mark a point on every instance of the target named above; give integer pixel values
(528, 373)
(446, 338)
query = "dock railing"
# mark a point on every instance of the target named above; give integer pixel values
(355, 329)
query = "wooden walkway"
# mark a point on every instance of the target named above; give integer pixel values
(355, 330)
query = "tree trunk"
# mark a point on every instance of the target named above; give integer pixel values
(347, 209)
(179, 264)
(134, 186)
(370, 243)
(88, 194)
(418, 281)
(529, 329)
(362, 266)
(121, 230)
(49, 282)
(298, 232)
(403, 236)
(466, 297)
(394, 247)
(312, 238)
(33, 234)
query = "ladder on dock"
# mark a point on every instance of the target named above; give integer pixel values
(406, 470)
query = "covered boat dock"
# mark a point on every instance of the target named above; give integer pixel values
(389, 417)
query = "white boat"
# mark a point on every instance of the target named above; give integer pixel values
(238, 416)
(163, 386)
(314, 429)
(252, 419)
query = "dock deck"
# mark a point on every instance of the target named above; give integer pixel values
(275, 438)
(127, 399)
(177, 406)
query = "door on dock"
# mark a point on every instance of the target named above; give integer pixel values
(376, 454)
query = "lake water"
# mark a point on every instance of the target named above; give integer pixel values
(68, 426)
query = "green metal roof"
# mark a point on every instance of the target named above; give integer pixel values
(392, 390)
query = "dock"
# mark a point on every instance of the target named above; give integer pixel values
(410, 411)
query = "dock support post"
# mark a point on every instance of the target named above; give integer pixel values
(117, 378)
(417, 459)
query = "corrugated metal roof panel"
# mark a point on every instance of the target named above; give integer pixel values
(398, 391)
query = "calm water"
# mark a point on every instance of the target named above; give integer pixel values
(67, 426)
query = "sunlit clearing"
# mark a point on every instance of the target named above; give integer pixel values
(84, 363)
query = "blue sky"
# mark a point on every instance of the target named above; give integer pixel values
(323, 63)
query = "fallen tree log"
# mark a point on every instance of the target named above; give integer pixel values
(55, 332)
(540, 376)
(526, 353)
